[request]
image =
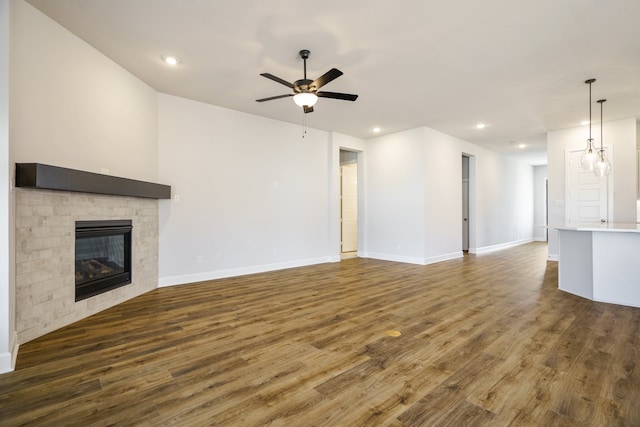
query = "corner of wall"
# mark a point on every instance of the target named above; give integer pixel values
(8, 358)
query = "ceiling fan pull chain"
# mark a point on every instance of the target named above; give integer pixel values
(304, 125)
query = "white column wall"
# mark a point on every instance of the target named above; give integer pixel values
(250, 194)
(395, 182)
(442, 196)
(8, 350)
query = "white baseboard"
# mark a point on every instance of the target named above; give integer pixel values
(443, 257)
(413, 260)
(552, 257)
(8, 359)
(621, 303)
(393, 257)
(499, 247)
(242, 271)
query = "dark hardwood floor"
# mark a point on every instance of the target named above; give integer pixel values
(485, 340)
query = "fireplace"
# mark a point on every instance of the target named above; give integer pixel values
(103, 256)
(49, 202)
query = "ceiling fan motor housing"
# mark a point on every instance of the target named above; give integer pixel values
(304, 53)
(303, 85)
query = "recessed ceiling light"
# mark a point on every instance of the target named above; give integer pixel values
(171, 60)
(522, 145)
(480, 126)
(584, 122)
(375, 130)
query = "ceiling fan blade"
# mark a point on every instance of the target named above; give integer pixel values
(277, 79)
(336, 95)
(274, 97)
(327, 77)
(307, 109)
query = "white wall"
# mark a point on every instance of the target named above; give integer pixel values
(7, 200)
(539, 202)
(414, 197)
(72, 106)
(395, 182)
(442, 196)
(253, 194)
(621, 135)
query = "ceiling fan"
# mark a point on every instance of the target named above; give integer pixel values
(305, 91)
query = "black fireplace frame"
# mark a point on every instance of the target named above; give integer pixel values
(87, 229)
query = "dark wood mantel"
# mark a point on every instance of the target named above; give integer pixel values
(47, 177)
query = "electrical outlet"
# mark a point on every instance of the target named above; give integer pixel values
(218, 257)
(199, 259)
(176, 198)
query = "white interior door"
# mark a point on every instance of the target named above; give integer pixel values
(465, 201)
(465, 214)
(587, 194)
(349, 207)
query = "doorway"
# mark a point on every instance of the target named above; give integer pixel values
(546, 210)
(465, 203)
(348, 204)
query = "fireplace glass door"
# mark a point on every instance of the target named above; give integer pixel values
(103, 256)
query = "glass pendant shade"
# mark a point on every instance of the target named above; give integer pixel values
(305, 99)
(589, 156)
(602, 167)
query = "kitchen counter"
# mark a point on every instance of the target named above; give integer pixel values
(611, 227)
(600, 262)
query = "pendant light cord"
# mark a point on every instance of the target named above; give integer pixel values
(601, 101)
(590, 81)
(601, 126)
(590, 108)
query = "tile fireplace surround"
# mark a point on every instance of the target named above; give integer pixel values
(45, 255)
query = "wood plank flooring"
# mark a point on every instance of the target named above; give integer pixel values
(485, 340)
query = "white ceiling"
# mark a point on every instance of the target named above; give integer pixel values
(518, 66)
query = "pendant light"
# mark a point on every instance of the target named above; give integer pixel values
(602, 167)
(590, 155)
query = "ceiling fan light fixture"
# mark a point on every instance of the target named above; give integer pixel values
(307, 99)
